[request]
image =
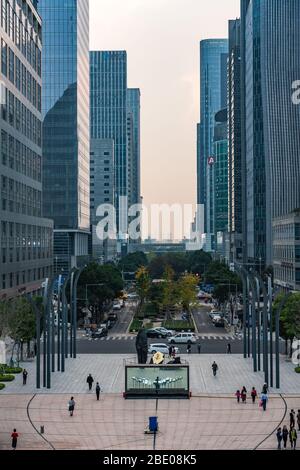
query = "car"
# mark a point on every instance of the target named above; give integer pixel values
(216, 318)
(117, 306)
(132, 296)
(160, 347)
(219, 323)
(155, 333)
(100, 333)
(185, 338)
(165, 331)
(214, 314)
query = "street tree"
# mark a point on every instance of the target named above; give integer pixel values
(187, 292)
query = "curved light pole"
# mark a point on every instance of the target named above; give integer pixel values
(64, 331)
(245, 309)
(253, 318)
(265, 326)
(38, 339)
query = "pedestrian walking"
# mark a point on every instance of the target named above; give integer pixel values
(98, 390)
(228, 348)
(292, 419)
(265, 388)
(253, 394)
(170, 351)
(244, 394)
(189, 349)
(263, 401)
(71, 406)
(14, 437)
(90, 381)
(199, 348)
(293, 438)
(285, 435)
(238, 395)
(214, 368)
(279, 438)
(298, 420)
(25, 374)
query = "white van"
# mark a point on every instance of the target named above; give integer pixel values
(186, 338)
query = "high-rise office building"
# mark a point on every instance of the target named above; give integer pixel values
(235, 226)
(25, 237)
(220, 169)
(280, 71)
(134, 145)
(213, 84)
(66, 137)
(102, 197)
(108, 95)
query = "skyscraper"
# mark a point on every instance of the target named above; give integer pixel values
(66, 137)
(235, 225)
(134, 133)
(108, 94)
(213, 85)
(220, 169)
(25, 237)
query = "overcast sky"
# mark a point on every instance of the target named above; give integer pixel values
(162, 38)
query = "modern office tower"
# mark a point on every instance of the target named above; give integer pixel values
(108, 95)
(25, 237)
(134, 144)
(66, 136)
(213, 83)
(280, 65)
(253, 133)
(220, 170)
(102, 195)
(235, 225)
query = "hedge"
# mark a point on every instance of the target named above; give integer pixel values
(7, 378)
(297, 370)
(178, 325)
(2, 386)
(10, 370)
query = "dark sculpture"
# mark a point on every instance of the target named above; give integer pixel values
(141, 345)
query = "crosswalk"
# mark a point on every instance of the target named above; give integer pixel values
(132, 338)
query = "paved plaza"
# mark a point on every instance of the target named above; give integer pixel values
(211, 419)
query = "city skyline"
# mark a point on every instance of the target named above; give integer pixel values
(169, 88)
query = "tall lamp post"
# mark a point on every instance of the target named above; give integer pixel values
(38, 339)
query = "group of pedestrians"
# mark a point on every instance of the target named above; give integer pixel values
(284, 434)
(90, 382)
(241, 395)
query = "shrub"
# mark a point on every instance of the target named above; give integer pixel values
(2, 386)
(136, 325)
(179, 325)
(297, 370)
(10, 370)
(149, 325)
(7, 377)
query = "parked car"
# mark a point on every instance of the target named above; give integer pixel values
(160, 347)
(155, 333)
(165, 331)
(185, 338)
(117, 306)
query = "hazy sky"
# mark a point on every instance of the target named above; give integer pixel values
(162, 38)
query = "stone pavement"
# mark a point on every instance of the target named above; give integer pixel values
(234, 373)
(114, 423)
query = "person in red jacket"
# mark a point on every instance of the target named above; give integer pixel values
(253, 394)
(14, 437)
(238, 396)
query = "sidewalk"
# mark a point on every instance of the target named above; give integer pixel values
(234, 372)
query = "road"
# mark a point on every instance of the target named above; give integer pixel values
(124, 318)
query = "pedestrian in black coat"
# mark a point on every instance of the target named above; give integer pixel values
(90, 381)
(98, 390)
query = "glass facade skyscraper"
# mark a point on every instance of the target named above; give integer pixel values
(66, 137)
(133, 120)
(25, 237)
(108, 94)
(213, 85)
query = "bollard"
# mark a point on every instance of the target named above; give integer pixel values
(42, 429)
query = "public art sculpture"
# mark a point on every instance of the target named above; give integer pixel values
(141, 345)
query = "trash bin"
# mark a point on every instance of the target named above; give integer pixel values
(153, 425)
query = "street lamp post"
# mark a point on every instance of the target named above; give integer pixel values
(38, 339)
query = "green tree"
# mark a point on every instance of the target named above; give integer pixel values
(187, 291)
(132, 262)
(98, 284)
(22, 324)
(5, 313)
(198, 262)
(289, 319)
(143, 284)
